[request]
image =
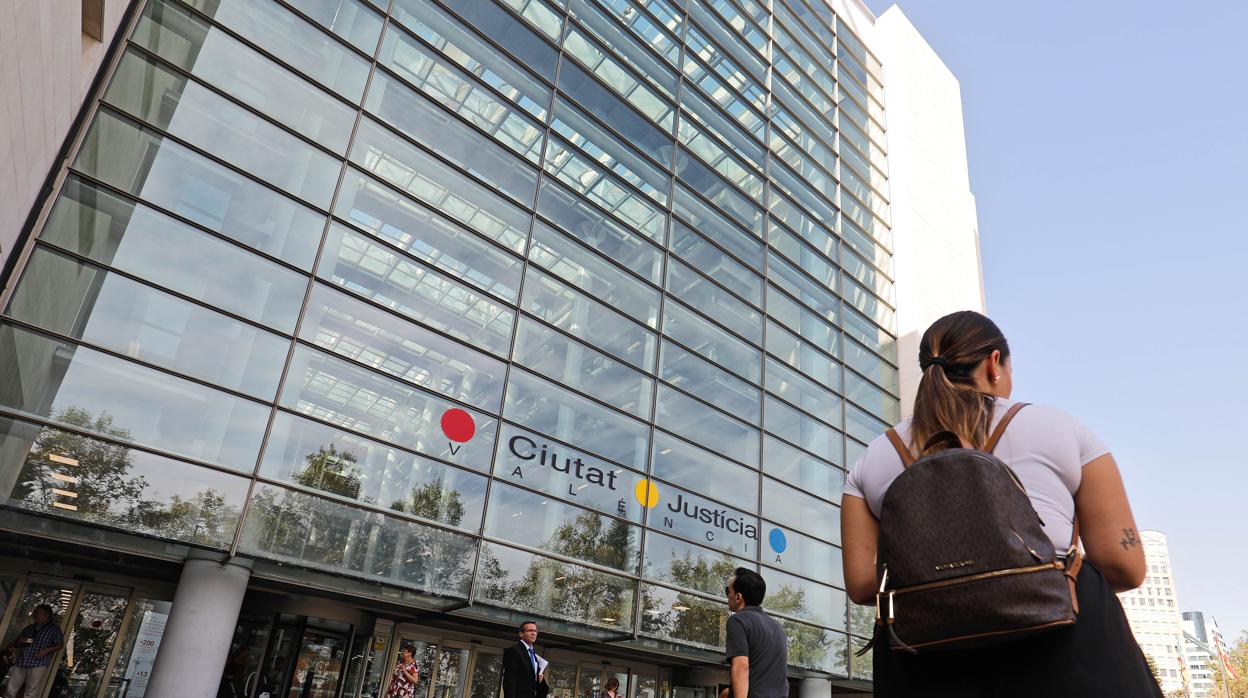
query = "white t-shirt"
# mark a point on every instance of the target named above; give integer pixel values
(1046, 447)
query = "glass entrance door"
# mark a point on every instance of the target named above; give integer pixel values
(447, 669)
(92, 619)
(318, 664)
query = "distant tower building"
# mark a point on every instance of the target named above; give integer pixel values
(1153, 613)
(1199, 653)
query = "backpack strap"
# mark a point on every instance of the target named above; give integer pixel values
(907, 458)
(1005, 422)
(1074, 561)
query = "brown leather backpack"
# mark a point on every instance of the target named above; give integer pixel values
(963, 559)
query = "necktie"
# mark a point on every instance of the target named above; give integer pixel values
(533, 658)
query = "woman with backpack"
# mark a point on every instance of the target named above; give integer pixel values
(963, 534)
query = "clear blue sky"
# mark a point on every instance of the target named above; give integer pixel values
(1109, 157)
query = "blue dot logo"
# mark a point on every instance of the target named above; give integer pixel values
(778, 542)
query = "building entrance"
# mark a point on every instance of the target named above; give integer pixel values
(286, 656)
(111, 633)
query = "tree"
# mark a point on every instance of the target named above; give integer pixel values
(1224, 685)
(330, 471)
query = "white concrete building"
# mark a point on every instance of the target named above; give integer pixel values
(1154, 616)
(935, 227)
(52, 51)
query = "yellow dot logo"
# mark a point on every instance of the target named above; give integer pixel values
(647, 493)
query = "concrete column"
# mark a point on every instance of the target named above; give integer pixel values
(200, 627)
(814, 688)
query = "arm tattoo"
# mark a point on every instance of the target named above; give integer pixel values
(1129, 539)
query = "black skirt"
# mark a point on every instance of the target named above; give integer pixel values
(1097, 657)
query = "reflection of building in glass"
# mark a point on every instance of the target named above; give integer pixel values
(1154, 615)
(437, 315)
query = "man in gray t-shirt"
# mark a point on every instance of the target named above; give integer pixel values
(757, 648)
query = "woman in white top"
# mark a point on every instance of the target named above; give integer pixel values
(1066, 470)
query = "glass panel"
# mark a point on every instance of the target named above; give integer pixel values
(542, 406)
(609, 151)
(683, 617)
(697, 138)
(689, 466)
(803, 392)
(470, 52)
(810, 325)
(349, 19)
(514, 579)
(492, 21)
(881, 404)
(623, 45)
(214, 124)
(588, 224)
(376, 271)
(537, 521)
(324, 458)
(381, 340)
(698, 292)
(818, 297)
(803, 599)
(172, 177)
(487, 675)
(816, 648)
(309, 531)
(406, 110)
(84, 388)
(690, 566)
(727, 198)
(558, 254)
(318, 665)
(214, 56)
(605, 66)
(138, 649)
(596, 99)
(801, 554)
(449, 674)
(696, 518)
(717, 228)
(717, 264)
(540, 463)
(434, 76)
(292, 39)
(334, 391)
(101, 483)
(873, 367)
(427, 236)
(799, 428)
(813, 363)
(698, 334)
(113, 312)
(578, 366)
(692, 373)
(861, 425)
(592, 322)
(803, 470)
(443, 188)
(138, 240)
(801, 511)
(689, 418)
(582, 174)
(89, 642)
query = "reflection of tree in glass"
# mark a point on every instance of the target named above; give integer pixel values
(93, 634)
(692, 618)
(103, 468)
(561, 590)
(808, 645)
(590, 537)
(107, 492)
(330, 471)
(334, 535)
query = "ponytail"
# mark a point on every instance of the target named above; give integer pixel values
(947, 399)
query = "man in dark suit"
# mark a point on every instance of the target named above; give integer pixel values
(522, 677)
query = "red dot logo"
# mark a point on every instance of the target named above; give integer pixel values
(458, 425)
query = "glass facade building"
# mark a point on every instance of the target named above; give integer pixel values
(499, 308)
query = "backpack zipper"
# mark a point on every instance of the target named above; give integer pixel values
(1055, 565)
